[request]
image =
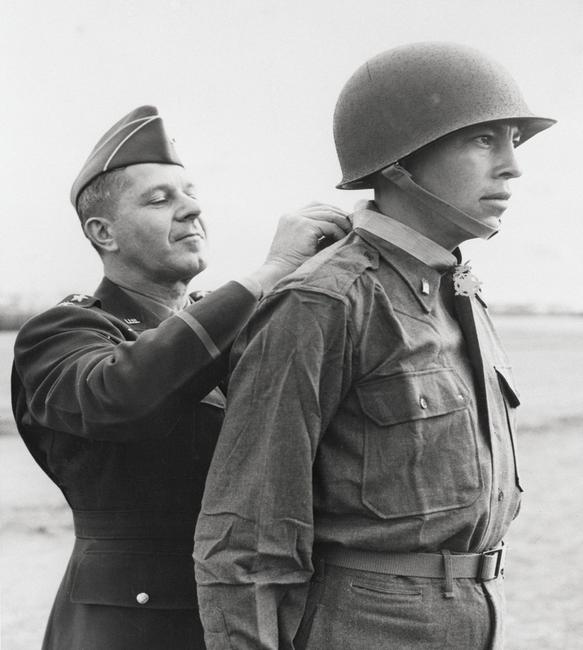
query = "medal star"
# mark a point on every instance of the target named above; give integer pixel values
(465, 283)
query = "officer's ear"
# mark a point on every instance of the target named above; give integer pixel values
(99, 231)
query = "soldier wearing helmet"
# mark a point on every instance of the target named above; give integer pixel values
(370, 436)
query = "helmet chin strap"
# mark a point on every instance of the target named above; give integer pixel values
(465, 222)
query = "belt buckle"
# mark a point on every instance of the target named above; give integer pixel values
(499, 554)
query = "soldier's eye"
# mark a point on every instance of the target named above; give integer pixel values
(484, 139)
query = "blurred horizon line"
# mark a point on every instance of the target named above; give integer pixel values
(15, 309)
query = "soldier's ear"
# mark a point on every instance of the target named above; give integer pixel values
(99, 231)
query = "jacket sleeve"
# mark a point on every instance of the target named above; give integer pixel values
(79, 374)
(254, 536)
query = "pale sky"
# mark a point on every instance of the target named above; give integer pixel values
(248, 89)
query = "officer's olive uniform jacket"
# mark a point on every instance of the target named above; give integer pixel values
(124, 421)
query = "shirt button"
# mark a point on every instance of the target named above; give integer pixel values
(142, 598)
(500, 495)
(422, 402)
(460, 397)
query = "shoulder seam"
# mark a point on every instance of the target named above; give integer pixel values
(310, 289)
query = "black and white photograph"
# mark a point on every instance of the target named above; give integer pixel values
(291, 325)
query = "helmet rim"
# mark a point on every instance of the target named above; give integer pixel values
(530, 126)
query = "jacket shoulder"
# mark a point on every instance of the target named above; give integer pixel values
(76, 313)
(79, 300)
(334, 270)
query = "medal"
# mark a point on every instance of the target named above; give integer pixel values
(465, 283)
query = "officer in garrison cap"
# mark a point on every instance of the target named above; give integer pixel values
(115, 393)
(369, 441)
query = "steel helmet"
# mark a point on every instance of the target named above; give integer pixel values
(407, 97)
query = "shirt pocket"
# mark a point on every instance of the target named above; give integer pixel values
(420, 449)
(511, 401)
(145, 580)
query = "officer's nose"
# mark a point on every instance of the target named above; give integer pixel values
(189, 208)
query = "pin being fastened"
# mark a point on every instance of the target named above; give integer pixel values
(465, 283)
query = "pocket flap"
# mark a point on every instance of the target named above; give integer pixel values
(507, 385)
(126, 579)
(413, 396)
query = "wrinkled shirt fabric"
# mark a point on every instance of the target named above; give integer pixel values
(360, 415)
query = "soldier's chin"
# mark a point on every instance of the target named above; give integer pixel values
(492, 221)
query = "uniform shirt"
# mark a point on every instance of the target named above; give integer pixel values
(159, 310)
(355, 419)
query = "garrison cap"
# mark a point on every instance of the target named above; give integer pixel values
(137, 138)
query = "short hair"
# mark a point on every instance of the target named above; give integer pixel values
(99, 198)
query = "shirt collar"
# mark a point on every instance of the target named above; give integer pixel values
(157, 308)
(367, 217)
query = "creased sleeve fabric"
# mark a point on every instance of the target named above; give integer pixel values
(81, 375)
(255, 533)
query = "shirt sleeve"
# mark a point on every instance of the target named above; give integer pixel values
(76, 371)
(255, 534)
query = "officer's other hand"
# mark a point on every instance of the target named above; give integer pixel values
(303, 233)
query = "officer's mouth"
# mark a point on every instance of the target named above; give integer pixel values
(195, 236)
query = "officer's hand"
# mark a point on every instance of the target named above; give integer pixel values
(301, 234)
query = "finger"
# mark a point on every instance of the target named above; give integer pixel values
(330, 230)
(339, 219)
